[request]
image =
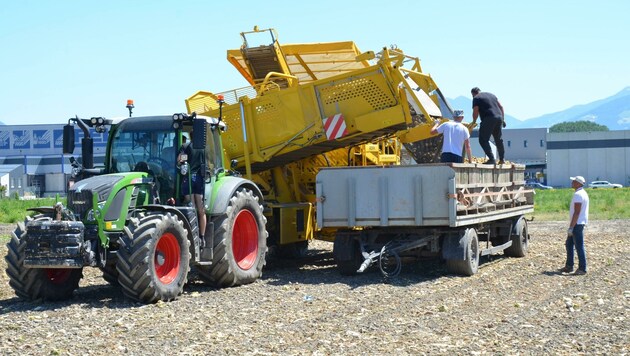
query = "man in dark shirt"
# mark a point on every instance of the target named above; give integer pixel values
(194, 179)
(492, 115)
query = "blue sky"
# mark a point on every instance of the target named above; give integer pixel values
(65, 58)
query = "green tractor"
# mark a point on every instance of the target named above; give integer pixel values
(131, 220)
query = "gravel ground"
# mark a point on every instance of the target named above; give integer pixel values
(512, 306)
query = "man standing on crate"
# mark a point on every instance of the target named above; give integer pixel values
(487, 106)
(578, 212)
(456, 137)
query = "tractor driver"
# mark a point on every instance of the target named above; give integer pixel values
(194, 179)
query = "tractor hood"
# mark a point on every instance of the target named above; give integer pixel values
(80, 196)
(100, 185)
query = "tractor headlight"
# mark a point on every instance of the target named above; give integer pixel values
(92, 214)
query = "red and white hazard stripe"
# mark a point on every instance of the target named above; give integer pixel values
(335, 127)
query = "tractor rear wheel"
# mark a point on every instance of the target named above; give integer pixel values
(153, 259)
(49, 284)
(240, 243)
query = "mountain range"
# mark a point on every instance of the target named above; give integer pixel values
(612, 112)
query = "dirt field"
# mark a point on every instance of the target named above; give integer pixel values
(512, 306)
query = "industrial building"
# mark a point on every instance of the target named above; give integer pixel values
(37, 150)
(601, 155)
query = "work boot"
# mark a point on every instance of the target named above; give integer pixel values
(579, 272)
(566, 269)
(501, 161)
(490, 161)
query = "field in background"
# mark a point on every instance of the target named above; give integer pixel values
(604, 204)
(550, 205)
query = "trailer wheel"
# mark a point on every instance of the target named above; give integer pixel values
(240, 243)
(50, 284)
(347, 254)
(470, 264)
(520, 239)
(153, 258)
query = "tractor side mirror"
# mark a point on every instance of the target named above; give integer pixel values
(68, 139)
(199, 133)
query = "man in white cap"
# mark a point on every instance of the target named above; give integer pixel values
(456, 136)
(578, 212)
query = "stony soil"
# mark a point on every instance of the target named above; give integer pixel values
(512, 306)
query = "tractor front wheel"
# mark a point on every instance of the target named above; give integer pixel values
(153, 259)
(49, 284)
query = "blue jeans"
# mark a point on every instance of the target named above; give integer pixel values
(577, 242)
(448, 157)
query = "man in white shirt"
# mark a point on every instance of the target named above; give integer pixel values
(456, 136)
(578, 213)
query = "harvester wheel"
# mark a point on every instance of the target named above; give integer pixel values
(240, 243)
(153, 258)
(520, 239)
(294, 250)
(470, 264)
(50, 284)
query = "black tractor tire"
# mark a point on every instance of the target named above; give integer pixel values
(34, 284)
(153, 258)
(470, 264)
(520, 239)
(110, 273)
(240, 243)
(348, 247)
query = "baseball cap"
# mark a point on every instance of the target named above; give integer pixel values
(458, 113)
(579, 179)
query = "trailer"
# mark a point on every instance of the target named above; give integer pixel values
(459, 212)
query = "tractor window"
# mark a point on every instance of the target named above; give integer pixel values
(130, 148)
(153, 152)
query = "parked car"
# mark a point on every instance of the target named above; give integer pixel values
(537, 185)
(603, 184)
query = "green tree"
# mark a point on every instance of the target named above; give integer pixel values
(3, 191)
(577, 126)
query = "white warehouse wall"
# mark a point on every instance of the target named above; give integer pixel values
(601, 155)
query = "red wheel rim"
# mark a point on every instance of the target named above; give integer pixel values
(245, 239)
(167, 258)
(58, 275)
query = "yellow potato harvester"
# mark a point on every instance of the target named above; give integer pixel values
(318, 105)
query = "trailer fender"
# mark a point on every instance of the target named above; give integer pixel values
(455, 245)
(226, 188)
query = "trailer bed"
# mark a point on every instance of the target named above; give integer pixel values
(441, 194)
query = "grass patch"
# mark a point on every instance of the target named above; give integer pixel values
(604, 204)
(12, 211)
